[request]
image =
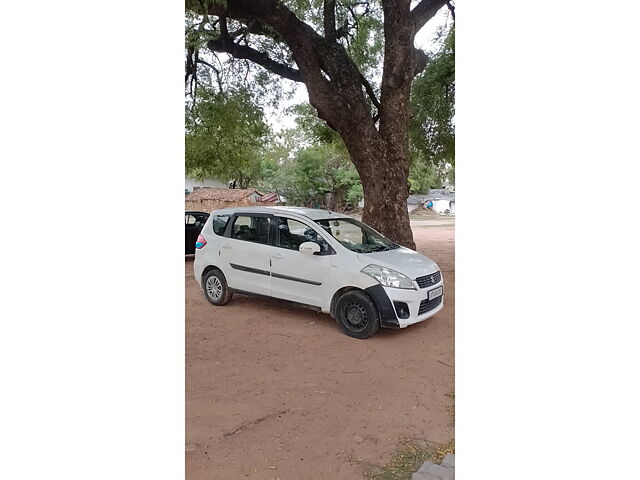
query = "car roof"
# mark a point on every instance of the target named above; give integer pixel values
(196, 212)
(310, 213)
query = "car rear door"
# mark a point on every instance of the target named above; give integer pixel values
(298, 276)
(246, 252)
(190, 234)
(193, 226)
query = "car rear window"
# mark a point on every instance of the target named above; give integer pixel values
(220, 224)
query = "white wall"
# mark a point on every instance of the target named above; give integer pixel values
(189, 183)
(440, 206)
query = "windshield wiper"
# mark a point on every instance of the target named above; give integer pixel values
(379, 248)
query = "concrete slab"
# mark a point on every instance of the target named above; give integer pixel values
(431, 471)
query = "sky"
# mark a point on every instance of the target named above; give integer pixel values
(280, 120)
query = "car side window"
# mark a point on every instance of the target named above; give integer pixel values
(251, 229)
(220, 224)
(189, 219)
(292, 233)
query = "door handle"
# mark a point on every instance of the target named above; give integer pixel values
(276, 255)
(226, 245)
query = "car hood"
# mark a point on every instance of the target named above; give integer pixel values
(403, 260)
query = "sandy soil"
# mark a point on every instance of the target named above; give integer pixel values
(278, 392)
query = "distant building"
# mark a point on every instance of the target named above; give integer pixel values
(191, 184)
(270, 197)
(443, 201)
(206, 199)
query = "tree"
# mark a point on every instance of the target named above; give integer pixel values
(311, 174)
(282, 37)
(432, 132)
(225, 135)
(423, 175)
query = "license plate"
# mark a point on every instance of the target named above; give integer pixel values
(435, 293)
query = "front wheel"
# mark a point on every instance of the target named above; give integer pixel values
(357, 315)
(215, 287)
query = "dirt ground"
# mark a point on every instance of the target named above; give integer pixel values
(278, 392)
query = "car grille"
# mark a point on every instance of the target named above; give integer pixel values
(426, 305)
(428, 280)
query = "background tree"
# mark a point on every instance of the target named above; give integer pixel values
(432, 132)
(320, 175)
(423, 174)
(339, 67)
(225, 137)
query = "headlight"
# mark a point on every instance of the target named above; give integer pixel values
(388, 277)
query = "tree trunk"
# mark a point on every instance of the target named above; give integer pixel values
(385, 182)
(385, 209)
(381, 157)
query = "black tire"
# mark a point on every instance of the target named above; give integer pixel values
(212, 281)
(357, 315)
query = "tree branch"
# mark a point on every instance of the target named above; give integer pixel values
(370, 92)
(242, 51)
(354, 15)
(257, 28)
(190, 64)
(452, 9)
(224, 29)
(424, 11)
(216, 71)
(343, 30)
(312, 52)
(419, 61)
(330, 20)
(332, 78)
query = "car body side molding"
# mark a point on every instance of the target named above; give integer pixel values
(249, 269)
(295, 279)
(276, 275)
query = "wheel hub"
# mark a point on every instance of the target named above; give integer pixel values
(214, 288)
(356, 315)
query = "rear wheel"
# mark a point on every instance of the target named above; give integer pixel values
(357, 315)
(215, 288)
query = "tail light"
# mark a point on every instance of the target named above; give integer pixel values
(201, 242)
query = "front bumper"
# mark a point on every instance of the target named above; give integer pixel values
(389, 299)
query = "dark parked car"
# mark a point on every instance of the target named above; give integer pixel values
(193, 223)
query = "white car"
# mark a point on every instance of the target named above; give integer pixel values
(318, 258)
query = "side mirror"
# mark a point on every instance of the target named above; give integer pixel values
(309, 248)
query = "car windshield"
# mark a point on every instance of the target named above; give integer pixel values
(356, 236)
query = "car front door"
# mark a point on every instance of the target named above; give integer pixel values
(246, 252)
(297, 276)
